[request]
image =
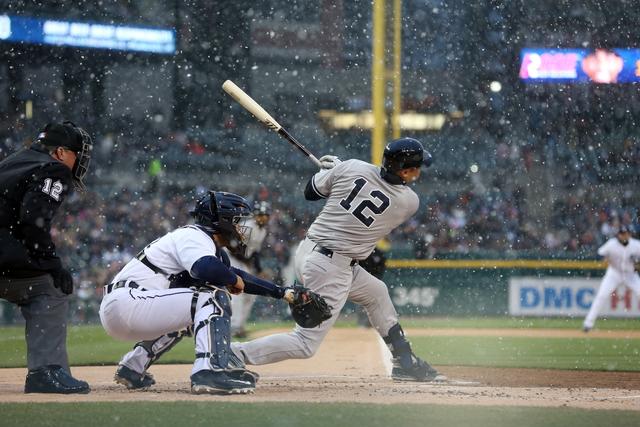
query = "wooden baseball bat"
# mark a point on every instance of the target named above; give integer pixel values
(261, 114)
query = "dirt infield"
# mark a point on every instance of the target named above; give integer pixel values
(350, 368)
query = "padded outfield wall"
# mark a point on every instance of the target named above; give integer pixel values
(502, 287)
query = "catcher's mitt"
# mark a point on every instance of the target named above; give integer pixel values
(308, 308)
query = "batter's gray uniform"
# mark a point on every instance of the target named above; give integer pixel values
(361, 208)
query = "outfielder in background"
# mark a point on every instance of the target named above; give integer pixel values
(249, 261)
(34, 182)
(363, 204)
(623, 256)
(179, 286)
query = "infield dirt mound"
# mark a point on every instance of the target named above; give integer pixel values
(350, 368)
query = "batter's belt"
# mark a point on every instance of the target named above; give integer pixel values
(329, 253)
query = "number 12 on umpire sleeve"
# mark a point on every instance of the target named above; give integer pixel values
(366, 203)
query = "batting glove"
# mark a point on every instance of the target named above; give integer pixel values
(329, 162)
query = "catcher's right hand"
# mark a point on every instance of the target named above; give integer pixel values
(308, 308)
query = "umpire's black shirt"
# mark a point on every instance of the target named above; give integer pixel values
(32, 187)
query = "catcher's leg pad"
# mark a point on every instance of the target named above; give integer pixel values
(212, 329)
(156, 348)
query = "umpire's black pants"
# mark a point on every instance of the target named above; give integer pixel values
(45, 309)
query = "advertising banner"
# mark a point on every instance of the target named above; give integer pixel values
(580, 65)
(22, 29)
(571, 297)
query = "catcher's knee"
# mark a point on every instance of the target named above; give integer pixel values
(218, 300)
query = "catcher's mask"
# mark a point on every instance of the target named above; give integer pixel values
(225, 214)
(73, 138)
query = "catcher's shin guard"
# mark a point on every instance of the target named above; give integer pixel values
(406, 365)
(159, 346)
(212, 330)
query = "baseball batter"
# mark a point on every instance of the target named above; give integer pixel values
(242, 304)
(622, 253)
(179, 285)
(363, 204)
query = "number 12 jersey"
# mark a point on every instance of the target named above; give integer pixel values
(361, 208)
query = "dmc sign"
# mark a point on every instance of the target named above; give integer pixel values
(533, 296)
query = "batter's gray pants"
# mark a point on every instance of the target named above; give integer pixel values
(45, 309)
(337, 281)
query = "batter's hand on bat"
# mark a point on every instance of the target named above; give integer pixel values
(328, 161)
(236, 288)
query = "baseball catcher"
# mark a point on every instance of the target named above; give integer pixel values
(179, 285)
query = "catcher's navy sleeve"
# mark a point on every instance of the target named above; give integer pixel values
(256, 286)
(212, 270)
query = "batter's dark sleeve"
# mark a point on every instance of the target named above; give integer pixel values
(44, 195)
(310, 192)
(256, 286)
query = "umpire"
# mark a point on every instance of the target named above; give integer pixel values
(33, 184)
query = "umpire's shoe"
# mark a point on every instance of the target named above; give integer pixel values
(413, 368)
(132, 380)
(218, 382)
(54, 379)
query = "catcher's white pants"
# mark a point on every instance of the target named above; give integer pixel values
(610, 282)
(136, 315)
(337, 282)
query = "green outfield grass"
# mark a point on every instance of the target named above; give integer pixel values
(195, 414)
(516, 323)
(89, 345)
(601, 354)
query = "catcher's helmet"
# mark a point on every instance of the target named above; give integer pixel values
(224, 213)
(405, 153)
(74, 138)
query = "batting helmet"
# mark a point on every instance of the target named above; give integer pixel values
(73, 138)
(405, 153)
(224, 213)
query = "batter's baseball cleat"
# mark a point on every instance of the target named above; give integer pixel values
(414, 369)
(238, 369)
(54, 379)
(243, 375)
(586, 329)
(218, 382)
(133, 380)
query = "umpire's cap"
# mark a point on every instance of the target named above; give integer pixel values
(65, 134)
(405, 153)
(74, 138)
